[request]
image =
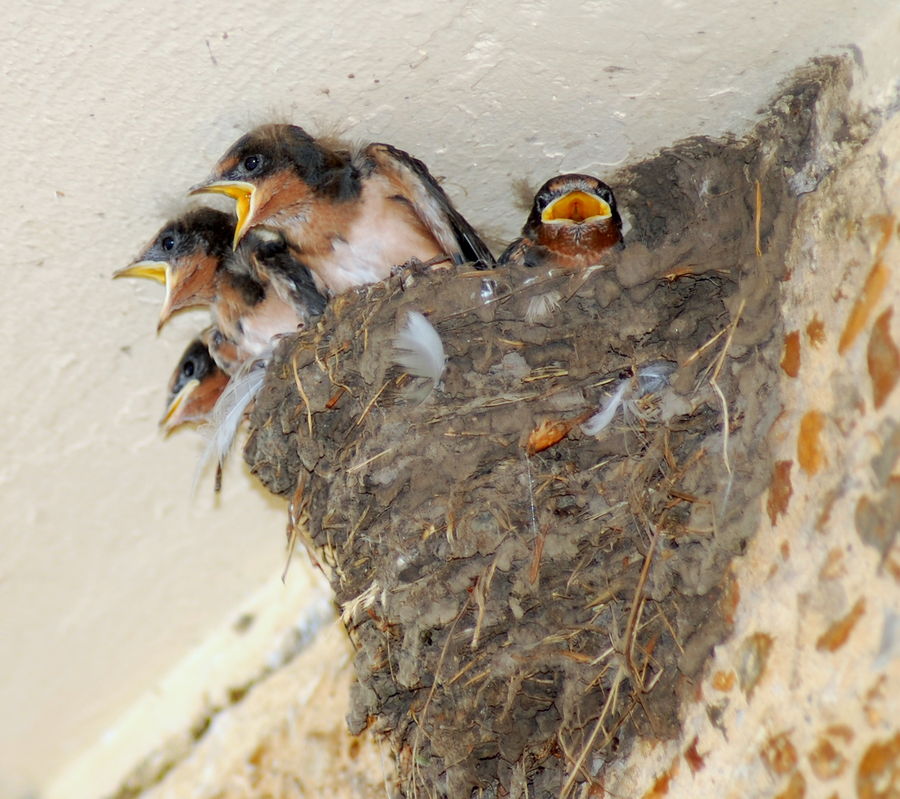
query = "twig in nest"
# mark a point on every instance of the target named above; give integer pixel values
(539, 541)
(589, 744)
(367, 461)
(545, 373)
(293, 518)
(726, 421)
(480, 594)
(335, 398)
(296, 510)
(535, 570)
(356, 527)
(757, 221)
(372, 401)
(671, 629)
(329, 370)
(579, 278)
(681, 270)
(437, 669)
(299, 384)
(699, 351)
(477, 678)
(463, 670)
(637, 605)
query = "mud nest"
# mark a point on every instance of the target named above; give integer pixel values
(519, 618)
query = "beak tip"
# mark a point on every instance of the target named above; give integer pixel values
(168, 425)
(125, 271)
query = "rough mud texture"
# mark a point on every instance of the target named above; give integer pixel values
(521, 619)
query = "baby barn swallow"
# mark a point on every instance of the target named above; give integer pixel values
(349, 215)
(184, 256)
(573, 221)
(195, 385)
(193, 256)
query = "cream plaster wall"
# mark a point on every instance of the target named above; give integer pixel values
(110, 574)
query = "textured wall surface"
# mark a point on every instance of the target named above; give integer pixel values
(802, 700)
(109, 574)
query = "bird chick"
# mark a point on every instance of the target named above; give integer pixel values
(250, 304)
(572, 223)
(195, 386)
(184, 256)
(350, 214)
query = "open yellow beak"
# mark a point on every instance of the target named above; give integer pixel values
(166, 311)
(242, 193)
(576, 206)
(152, 270)
(169, 420)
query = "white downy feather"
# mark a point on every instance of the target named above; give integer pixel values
(600, 420)
(654, 376)
(228, 413)
(651, 378)
(419, 349)
(542, 307)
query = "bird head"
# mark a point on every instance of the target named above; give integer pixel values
(194, 387)
(270, 173)
(184, 256)
(575, 200)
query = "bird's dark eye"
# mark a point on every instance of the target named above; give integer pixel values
(252, 162)
(188, 369)
(168, 242)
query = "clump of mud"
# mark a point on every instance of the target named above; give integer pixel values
(518, 618)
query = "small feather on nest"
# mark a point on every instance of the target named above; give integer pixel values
(541, 307)
(651, 378)
(607, 411)
(419, 350)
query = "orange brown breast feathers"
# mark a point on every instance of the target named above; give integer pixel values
(573, 221)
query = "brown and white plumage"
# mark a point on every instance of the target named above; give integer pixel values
(255, 293)
(351, 215)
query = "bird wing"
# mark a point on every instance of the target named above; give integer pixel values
(431, 204)
(524, 252)
(293, 282)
